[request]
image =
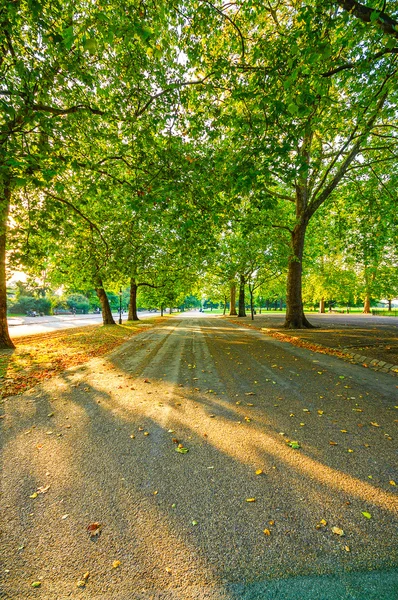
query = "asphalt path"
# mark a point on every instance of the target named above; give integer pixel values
(22, 326)
(203, 524)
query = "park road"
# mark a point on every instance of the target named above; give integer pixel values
(241, 514)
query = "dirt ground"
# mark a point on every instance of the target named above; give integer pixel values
(373, 337)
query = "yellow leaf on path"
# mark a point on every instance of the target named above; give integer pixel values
(259, 471)
(34, 495)
(267, 532)
(374, 424)
(392, 483)
(250, 499)
(347, 548)
(338, 531)
(168, 570)
(116, 564)
(349, 450)
(320, 412)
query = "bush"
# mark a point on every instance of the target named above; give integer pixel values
(27, 304)
(79, 302)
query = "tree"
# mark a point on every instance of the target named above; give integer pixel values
(284, 80)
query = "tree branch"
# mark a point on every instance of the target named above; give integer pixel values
(66, 111)
(78, 212)
(388, 24)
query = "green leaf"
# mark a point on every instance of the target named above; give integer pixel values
(182, 450)
(294, 445)
(367, 515)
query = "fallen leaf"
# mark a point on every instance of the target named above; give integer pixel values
(347, 548)
(34, 495)
(367, 515)
(36, 584)
(182, 450)
(267, 532)
(374, 424)
(94, 529)
(250, 499)
(294, 445)
(146, 381)
(132, 436)
(350, 450)
(338, 531)
(115, 564)
(271, 522)
(146, 432)
(194, 522)
(259, 472)
(250, 394)
(168, 570)
(392, 483)
(320, 412)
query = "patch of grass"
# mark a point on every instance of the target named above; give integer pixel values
(40, 357)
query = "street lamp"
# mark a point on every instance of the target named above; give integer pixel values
(120, 306)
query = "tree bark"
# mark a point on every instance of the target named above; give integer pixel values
(5, 197)
(133, 316)
(366, 307)
(322, 305)
(107, 318)
(242, 310)
(161, 311)
(390, 305)
(295, 318)
(232, 308)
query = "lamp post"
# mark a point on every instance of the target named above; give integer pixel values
(120, 306)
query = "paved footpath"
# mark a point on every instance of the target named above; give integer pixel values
(242, 514)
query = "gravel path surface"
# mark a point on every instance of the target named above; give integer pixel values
(177, 525)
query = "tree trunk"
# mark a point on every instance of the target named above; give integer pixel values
(5, 197)
(366, 308)
(295, 318)
(133, 301)
(161, 311)
(251, 303)
(322, 305)
(232, 308)
(390, 304)
(242, 310)
(107, 318)
(225, 304)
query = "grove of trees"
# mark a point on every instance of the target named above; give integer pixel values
(242, 145)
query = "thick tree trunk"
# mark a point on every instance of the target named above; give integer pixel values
(133, 316)
(390, 305)
(322, 305)
(225, 304)
(242, 310)
(161, 311)
(366, 307)
(107, 318)
(232, 308)
(295, 318)
(5, 197)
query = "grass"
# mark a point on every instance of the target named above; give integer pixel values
(40, 357)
